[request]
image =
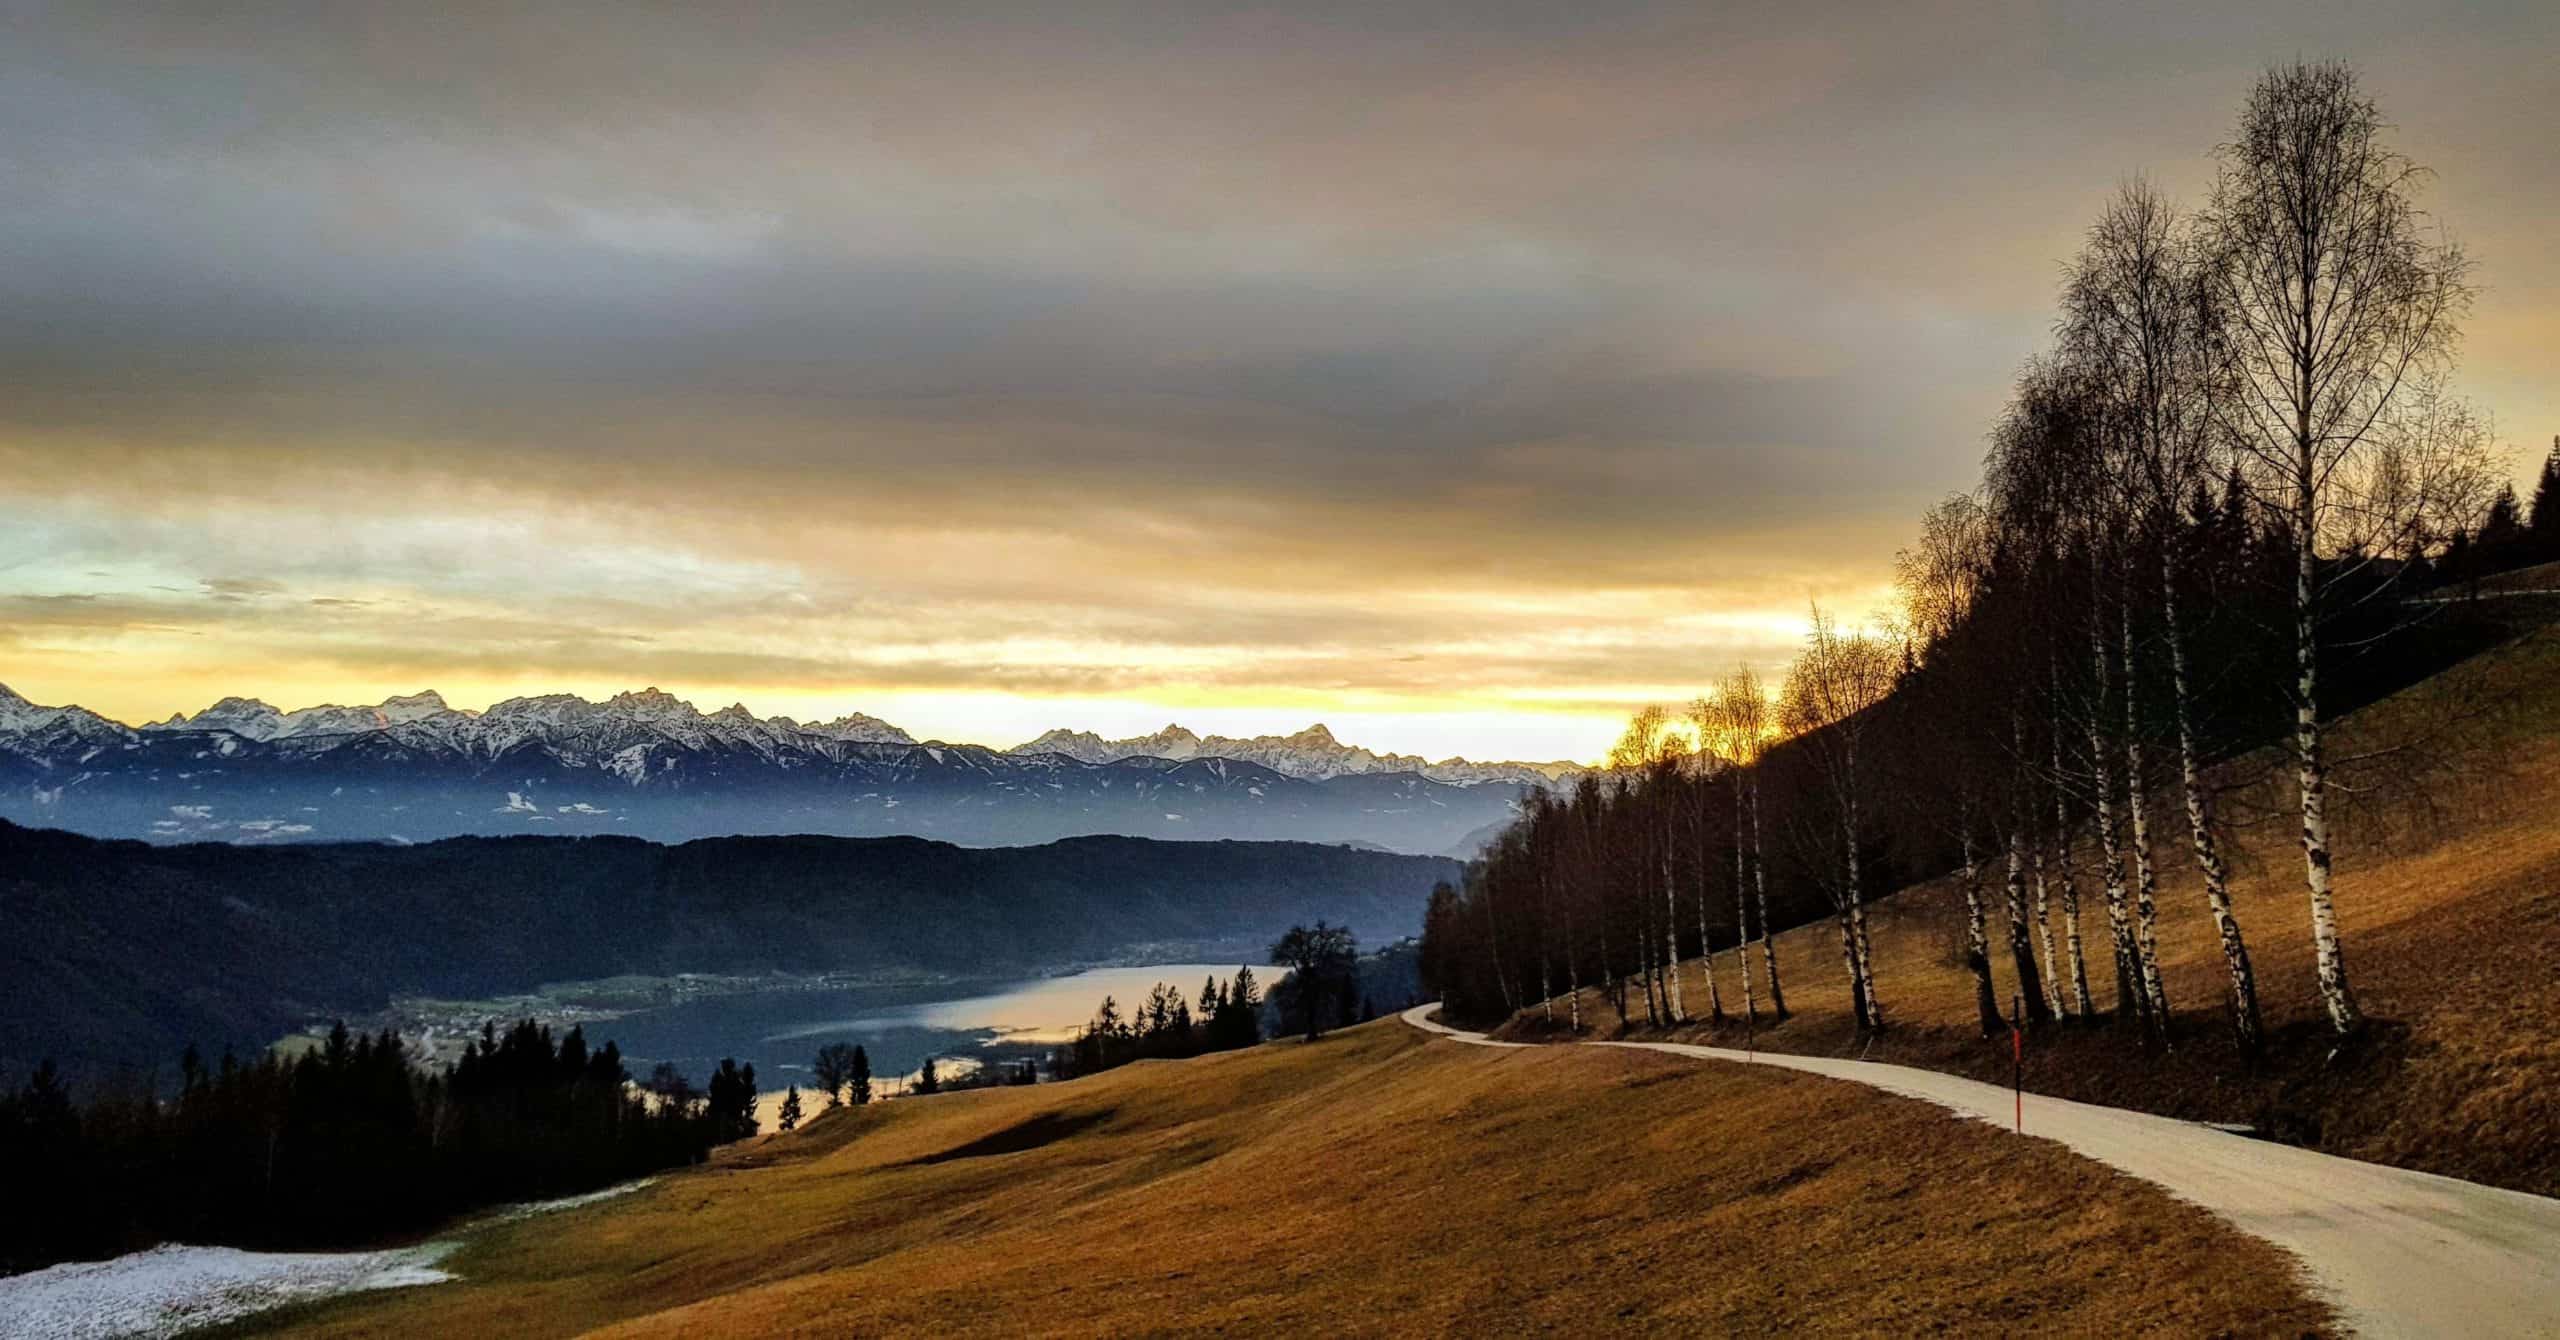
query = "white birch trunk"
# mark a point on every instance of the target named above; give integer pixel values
(2245, 1020)
(2070, 884)
(1546, 955)
(1706, 945)
(1977, 941)
(1862, 956)
(1760, 889)
(2128, 990)
(2044, 935)
(1741, 911)
(1671, 935)
(2021, 950)
(2146, 885)
(2312, 777)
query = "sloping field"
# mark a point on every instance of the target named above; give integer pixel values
(2449, 896)
(1372, 1184)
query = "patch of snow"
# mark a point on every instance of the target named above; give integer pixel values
(171, 1289)
(175, 1288)
(630, 764)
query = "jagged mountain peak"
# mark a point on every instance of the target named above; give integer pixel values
(654, 701)
(1313, 753)
(33, 725)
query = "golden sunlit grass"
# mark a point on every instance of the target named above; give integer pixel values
(2451, 916)
(1375, 1183)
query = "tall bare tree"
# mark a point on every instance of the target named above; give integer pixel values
(1831, 692)
(1729, 734)
(1940, 579)
(2335, 297)
(1741, 732)
(1651, 746)
(2141, 303)
(2055, 491)
(1704, 768)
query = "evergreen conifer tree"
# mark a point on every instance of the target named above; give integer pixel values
(2545, 523)
(2503, 543)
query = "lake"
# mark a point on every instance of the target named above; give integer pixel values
(779, 1031)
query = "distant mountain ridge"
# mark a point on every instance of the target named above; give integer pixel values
(650, 764)
(550, 717)
(1312, 753)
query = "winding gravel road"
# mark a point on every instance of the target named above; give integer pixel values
(2399, 1253)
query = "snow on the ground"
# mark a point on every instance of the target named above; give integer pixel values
(531, 1208)
(175, 1288)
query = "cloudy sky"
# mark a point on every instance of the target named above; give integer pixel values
(1459, 375)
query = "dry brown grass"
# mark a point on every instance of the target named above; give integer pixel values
(1375, 1183)
(2451, 917)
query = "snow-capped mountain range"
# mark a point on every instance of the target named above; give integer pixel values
(1311, 753)
(651, 764)
(591, 730)
(557, 719)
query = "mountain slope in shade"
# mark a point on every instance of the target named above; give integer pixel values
(120, 953)
(651, 765)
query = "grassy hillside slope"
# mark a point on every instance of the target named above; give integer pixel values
(2449, 899)
(1373, 1183)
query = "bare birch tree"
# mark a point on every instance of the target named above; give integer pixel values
(1741, 732)
(1831, 692)
(2140, 303)
(1939, 579)
(2334, 297)
(1650, 745)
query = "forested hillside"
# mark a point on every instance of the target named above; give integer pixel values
(124, 953)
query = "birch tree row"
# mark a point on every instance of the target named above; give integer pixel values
(2201, 516)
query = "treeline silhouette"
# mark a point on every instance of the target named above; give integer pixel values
(2203, 528)
(2510, 536)
(350, 1142)
(1165, 1027)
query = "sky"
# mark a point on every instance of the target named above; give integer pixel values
(1460, 376)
